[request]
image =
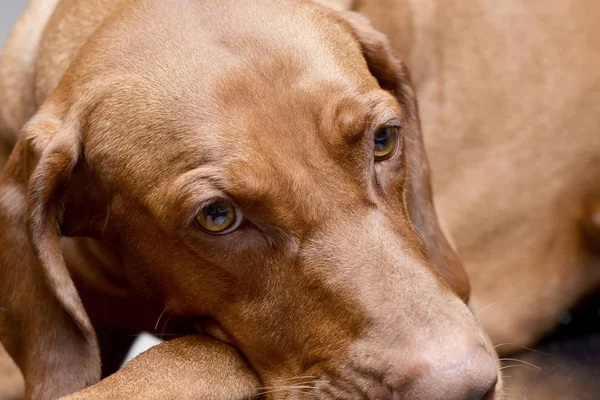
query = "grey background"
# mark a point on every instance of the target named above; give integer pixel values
(9, 12)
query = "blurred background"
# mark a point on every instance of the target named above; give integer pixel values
(9, 12)
(565, 366)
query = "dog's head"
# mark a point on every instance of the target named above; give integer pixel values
(262, 166)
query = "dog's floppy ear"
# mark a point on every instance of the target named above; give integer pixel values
(44, 325)
(393, 76)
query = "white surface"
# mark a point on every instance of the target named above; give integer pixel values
(10, 10)
(141, 344)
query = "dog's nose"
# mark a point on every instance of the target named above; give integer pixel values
(471, 375)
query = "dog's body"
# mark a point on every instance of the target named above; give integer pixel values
(509, 95)
(509, 228)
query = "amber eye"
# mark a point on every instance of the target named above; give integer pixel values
(386, 140)
(219, 218)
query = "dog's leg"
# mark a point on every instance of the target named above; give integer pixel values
(192, 367)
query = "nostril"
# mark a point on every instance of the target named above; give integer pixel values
(476, 395)
(490, 394)
(483, 386)
(473, 378)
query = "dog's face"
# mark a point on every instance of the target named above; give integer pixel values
(276, 185)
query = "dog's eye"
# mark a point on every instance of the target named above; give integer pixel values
(219, 218)
(386, 141)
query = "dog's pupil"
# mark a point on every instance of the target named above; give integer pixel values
(381, 138)
(218, 212)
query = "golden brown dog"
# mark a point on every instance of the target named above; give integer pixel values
(213, 168)
(510, 104)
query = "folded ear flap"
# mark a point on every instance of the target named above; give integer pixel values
(393, 76)
(44, 325)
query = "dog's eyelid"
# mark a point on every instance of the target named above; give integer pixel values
(221, 195)
(394, 123)
(381, 123)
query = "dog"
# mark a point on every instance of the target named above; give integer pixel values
(519, 295)
(256, 172)
(553, 227)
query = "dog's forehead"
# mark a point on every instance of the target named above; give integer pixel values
(191, 38)
(202, 78)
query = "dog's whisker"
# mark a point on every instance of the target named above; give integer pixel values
(294, 389)
(512, 366)
(286, 387)
(516, 391)
(523, 387)
(524, 348)
(514, 378)
(298, 377)
(159, 317)
(521, 361)
(163, 334)
(528, 364)
(165, 325)
(478, 312)
(298, 386)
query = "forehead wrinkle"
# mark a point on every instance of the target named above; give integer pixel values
(348, 122)
(289, 195)
(285, 163)
(356, 114)
(155, 129)
(290, 180)
(176, 202)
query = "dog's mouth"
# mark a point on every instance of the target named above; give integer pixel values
(348, 378)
